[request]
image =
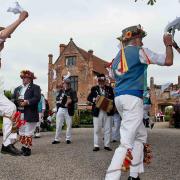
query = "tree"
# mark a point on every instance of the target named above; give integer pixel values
(150, 2)
(8, 94)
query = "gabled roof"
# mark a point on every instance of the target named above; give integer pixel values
(98, 63)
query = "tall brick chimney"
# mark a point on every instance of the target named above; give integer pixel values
(50, 56)
(61, 48)
(178, 80)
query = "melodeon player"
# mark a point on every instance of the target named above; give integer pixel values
(102, 96)
(65, 102)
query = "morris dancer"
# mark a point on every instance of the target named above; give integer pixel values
(128, 68)
(7, 108)
(65, 101)
(26, 98)
(100, 117)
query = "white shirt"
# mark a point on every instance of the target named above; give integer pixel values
(23, 90)
(154, 58)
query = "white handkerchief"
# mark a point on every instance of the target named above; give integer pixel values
(67, 76)
(16, 10)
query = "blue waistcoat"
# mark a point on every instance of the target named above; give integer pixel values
(131, 82)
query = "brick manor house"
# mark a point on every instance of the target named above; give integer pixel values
(83, 66)
(160, 99)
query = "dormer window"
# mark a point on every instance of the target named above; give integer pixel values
(70, 61)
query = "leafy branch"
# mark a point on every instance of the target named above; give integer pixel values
(150, 2)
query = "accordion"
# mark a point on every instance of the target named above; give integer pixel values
(104, 104)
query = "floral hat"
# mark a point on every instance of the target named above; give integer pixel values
(27, 74)
(132, 32)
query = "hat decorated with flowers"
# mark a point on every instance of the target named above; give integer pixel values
(132, 32)
(27, 74)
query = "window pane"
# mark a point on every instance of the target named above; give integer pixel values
(70, 61)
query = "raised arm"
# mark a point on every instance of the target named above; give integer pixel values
(168, 42)
(6, 32)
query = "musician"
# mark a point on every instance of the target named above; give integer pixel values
(7, 108)
(26, 97)
(116, 126)
(65, 102)
(128, 69)
(100, 117)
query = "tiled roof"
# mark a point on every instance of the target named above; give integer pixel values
(98, 64)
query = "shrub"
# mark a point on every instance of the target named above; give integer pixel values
(86, 117)
(8, 94)
(167, 117)
(76, 120)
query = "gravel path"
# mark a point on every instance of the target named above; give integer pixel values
(77, 161)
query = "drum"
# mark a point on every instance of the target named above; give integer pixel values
(104, 104)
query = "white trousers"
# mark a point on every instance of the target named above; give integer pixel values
(102, 121)
(38, 124)
(7, 108)
(133, 134)
(62, 115)
(116, 128)
(28, 129)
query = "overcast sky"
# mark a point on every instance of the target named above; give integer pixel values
(93, 24)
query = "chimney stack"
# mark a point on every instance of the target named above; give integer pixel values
(90, 51)
(179, 81)
(61, 48)
(50, 58)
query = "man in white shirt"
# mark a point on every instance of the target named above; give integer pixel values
(128, 69)
(7, 108)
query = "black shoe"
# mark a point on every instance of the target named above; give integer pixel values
(114, 141)
(55, 142)
(10, 149)
(96, 149)
(37, 136)
(132, 178)
(107, 148)
(23, 149)
(68, 142)
(26, 152)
